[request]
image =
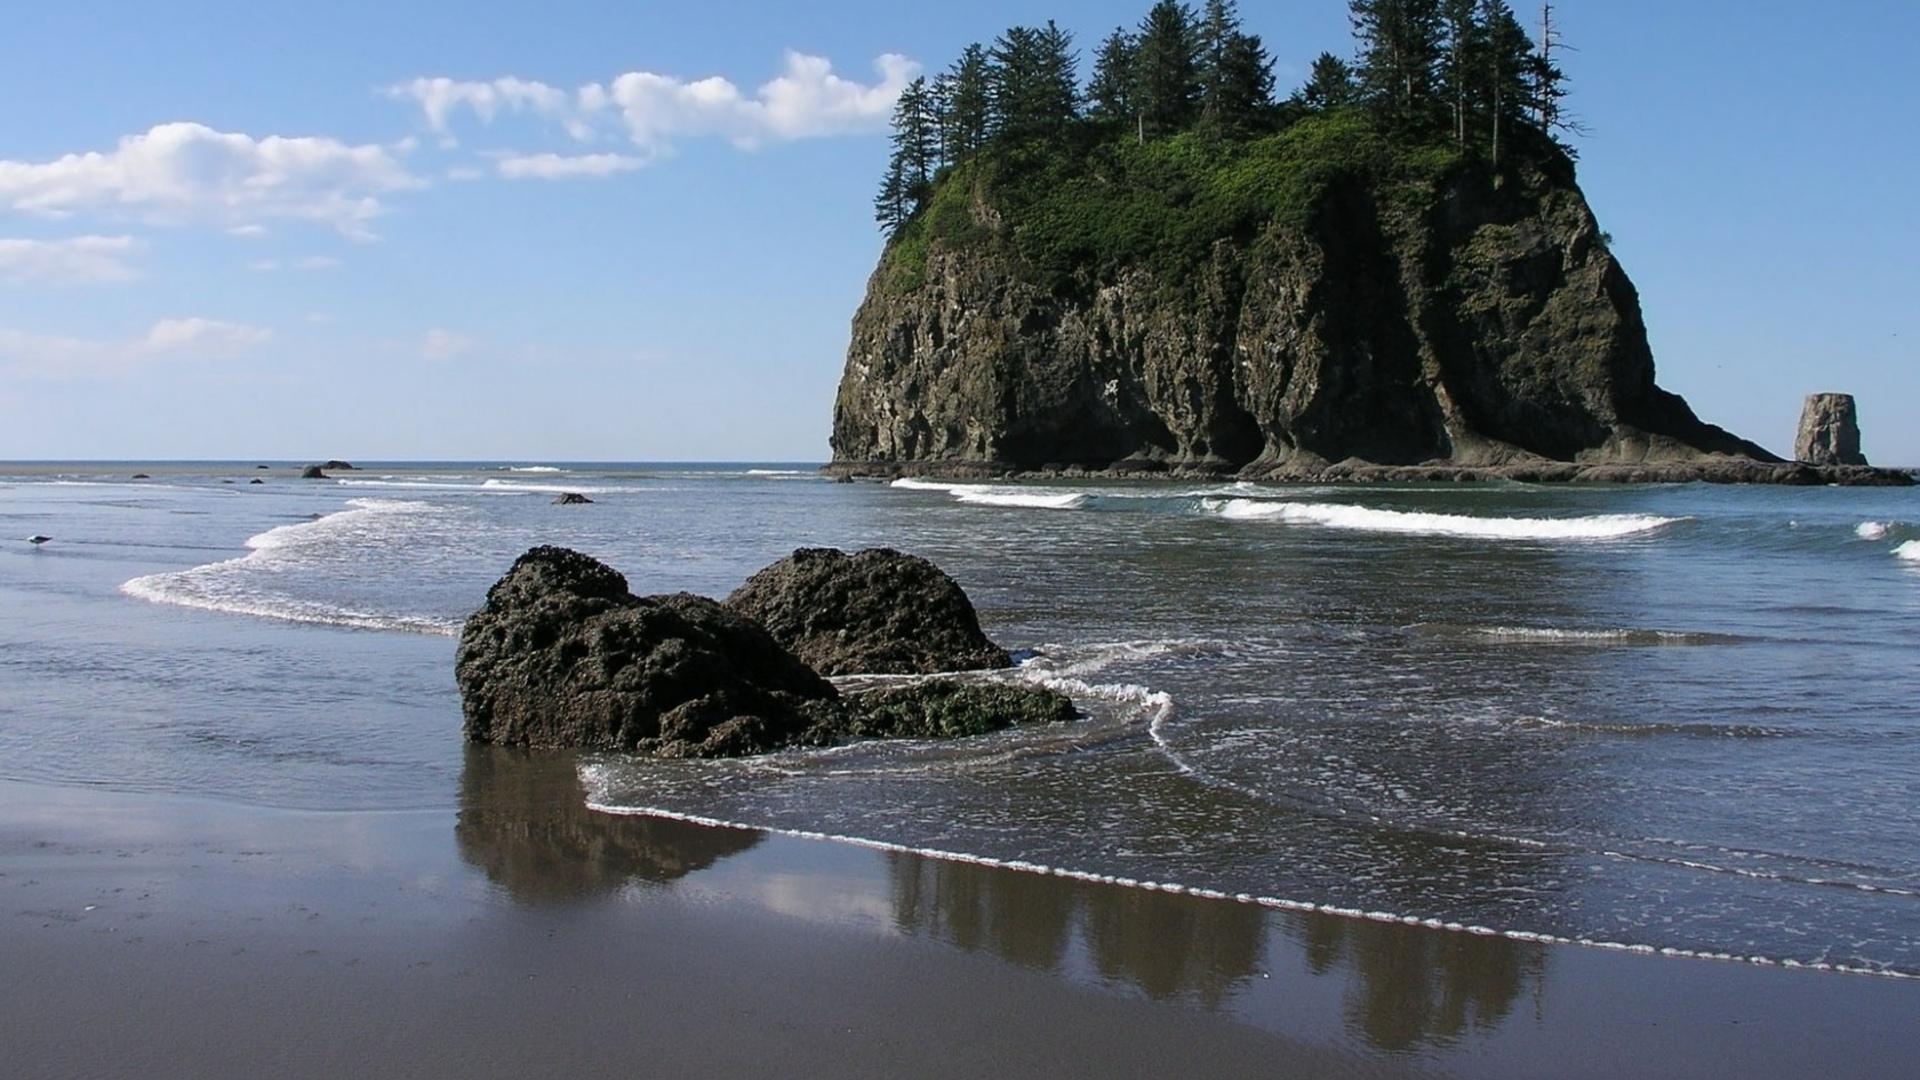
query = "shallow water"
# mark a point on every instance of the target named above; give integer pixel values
(1667, 717)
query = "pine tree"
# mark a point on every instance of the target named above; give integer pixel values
(1329, 86)
(1463, 63)
(1236, 74)
(965, 105)
(1509, 75)
(1032, 89)
(1167, 69)
(1400, 45)
(1549, 82)
(909, 178)
(1110, 91)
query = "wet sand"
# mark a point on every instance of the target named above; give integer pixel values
(525, 935)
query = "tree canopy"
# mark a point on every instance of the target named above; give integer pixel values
(1462, 73)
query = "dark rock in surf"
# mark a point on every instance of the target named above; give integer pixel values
(876, 612)
(256, 480)
(313, 472)
(141, 476)
(338, 465)
(571, 498)
(1829, 431)
(563, 655)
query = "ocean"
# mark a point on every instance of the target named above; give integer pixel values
(1669, 718)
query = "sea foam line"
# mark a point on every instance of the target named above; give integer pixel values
(997, 495)
(211, 587)
(590, 776)
(1418, 523)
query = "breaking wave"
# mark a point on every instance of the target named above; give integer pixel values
(1417, 523)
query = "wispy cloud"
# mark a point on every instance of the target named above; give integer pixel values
(558, 167)
(653, 111)
(311, 262)
(190, 174)
(59, 356)
(79, 260)
(443, 344)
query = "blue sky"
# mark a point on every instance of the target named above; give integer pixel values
(638, 231)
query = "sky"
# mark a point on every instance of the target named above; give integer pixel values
(597, 231)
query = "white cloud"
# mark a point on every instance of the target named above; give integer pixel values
(556, 167)
(81, 260)
(806, 100)
(444, 345)
(205, 336)
(311, 262)
(190, 174)
(439, 97)
(59, 356)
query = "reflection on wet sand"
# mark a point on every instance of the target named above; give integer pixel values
(524, 822)
(1164, 944)
(1412, 985)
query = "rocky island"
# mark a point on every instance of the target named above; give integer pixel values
(1393, 274)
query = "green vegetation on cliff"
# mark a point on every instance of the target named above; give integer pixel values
(1177, 143)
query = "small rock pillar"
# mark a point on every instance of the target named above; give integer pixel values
(1829, 432)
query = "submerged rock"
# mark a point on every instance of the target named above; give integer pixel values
(313, 472)
(945, 709)
(876, 612)
(563, 655)
(1829, 431)
(571, 498)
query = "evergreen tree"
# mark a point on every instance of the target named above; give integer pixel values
(965, 105)
(916, 143)
(1509, 75)
(1236, 74)
(1167, 69)
(1110, 91)
(1329, 86)
(1400, 44)
(1549, 82)
(1033, 92)
(1463, 63)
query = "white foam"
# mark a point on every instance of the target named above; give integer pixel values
(1369, 519)
(242, 585)
(1035, 500)
(515, 487)
(594, 778)
(1872, 530)
(534, 468)
(1910, 551)
(1001, 495)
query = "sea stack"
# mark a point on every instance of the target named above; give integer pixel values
(1829, 431)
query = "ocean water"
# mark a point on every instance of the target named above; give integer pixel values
(1672, 718)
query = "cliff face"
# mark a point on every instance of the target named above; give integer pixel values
(1466, 323)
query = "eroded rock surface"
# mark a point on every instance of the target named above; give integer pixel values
(1829, 431)
(875, 612)
(563, 654)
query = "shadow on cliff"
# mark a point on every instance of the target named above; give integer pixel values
(524, 822)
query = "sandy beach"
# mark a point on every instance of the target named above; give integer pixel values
(161, 936)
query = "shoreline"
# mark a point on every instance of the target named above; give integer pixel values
(522, 933)
(1710, 471)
